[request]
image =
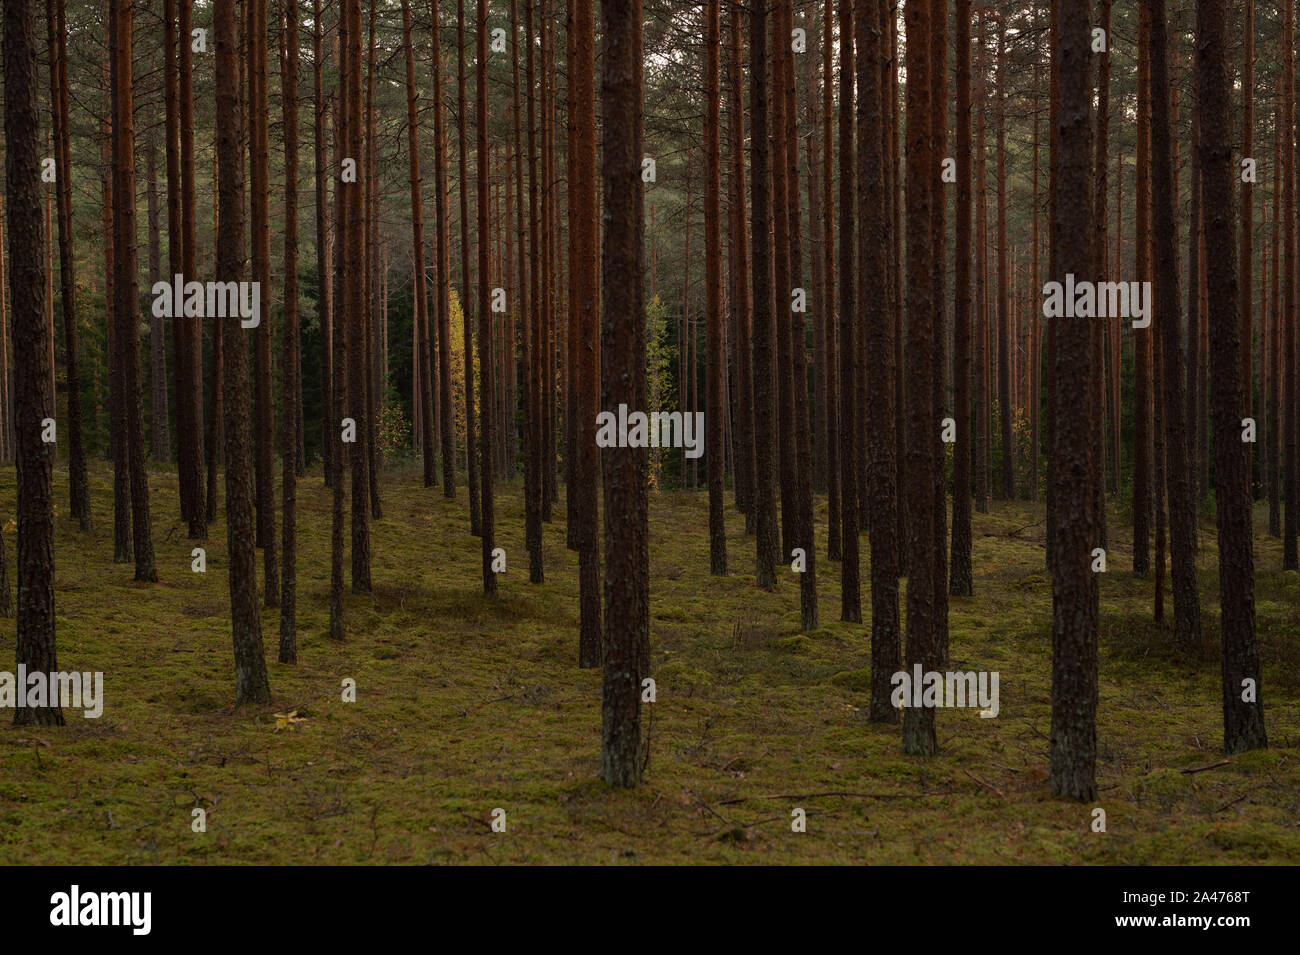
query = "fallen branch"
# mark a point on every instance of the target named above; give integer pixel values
(1200, 769)
(984, 784)
(842, 795)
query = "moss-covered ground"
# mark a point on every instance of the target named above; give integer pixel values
(465, 705)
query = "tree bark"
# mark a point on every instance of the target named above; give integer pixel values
(627, 563)
(1243, 712)
(251, 684)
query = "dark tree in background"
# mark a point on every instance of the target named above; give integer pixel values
(78, 485)
(291, 360)
(767, 544)
(584, 312)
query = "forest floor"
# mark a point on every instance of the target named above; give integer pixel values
(465, 705)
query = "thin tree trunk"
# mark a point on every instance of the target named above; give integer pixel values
(961, 582)
(79, 490)
(291, 343)
(251, 684)
(1143, 455)
(850, 581)
(127, 291)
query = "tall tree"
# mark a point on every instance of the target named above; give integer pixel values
(767, 542)
(1074, 586)
(745, 479)
(533, 348)
(921, 422)
(850, 581)
(1243, 711)
(324, 245)
(442, 202)
(712, 284)
(1290, 449)
(584, 313)
(878, 327)
(251, 684)
(78, 485)
(487, 436)
(796, 333)
(623, 347)
(256, 25)
(35, 647)
(291, 343)
(1004, 334)
(1182, 501)
(1100, 249)
(467, 283)
(126, 288)
(1143, 451)
(983, 391)
(961, 582)
(422, 387)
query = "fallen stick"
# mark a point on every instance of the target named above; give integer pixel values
(1200, 769)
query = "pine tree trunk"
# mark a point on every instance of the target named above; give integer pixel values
(1243, 713)
(623, 348)
(487, 435)
(921, 424)
(1178, 461)
(961, 582)
(35, 647)
(291, 344)
(850, 580)
(126, 288)
(251, 684)
(1074, 471)
(78, 486)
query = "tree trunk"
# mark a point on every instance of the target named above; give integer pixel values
(260, 210)
(79, 490)
(715, 409)
(1178, 462)
(466, 280)
(623, 347)
(35, 647)
(1143, 453)
(251, 684)
(1290, 459)
(1243, 712)
(1004, 303)
(126, 288)
(1074, 472)
(291, 344)
(850, 581)
(961, 582)
(880, 411)
(921, 421)
(487, 436)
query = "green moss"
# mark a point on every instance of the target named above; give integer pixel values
(465, 705)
